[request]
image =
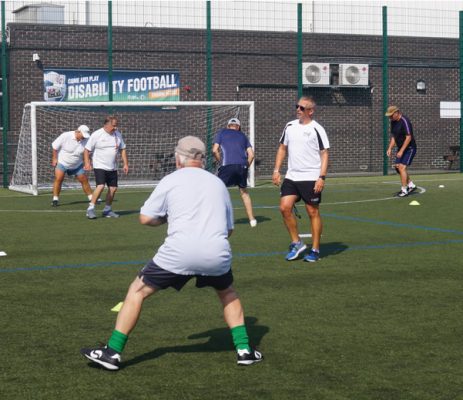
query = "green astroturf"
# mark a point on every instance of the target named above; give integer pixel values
(378, 317)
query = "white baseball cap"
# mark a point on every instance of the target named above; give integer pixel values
(234, 121)
(84, 130)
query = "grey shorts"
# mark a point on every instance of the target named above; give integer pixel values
(153, 275)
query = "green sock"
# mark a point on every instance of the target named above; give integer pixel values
(117, 341)
(240, 338)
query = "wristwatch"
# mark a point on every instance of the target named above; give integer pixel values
(322, 177)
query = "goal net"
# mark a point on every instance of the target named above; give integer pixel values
(150, 131)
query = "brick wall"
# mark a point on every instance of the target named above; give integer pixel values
(263, 65)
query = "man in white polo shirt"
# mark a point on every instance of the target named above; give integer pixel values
(68, 149)
(305, 142)
(104, 145)
(197, 207)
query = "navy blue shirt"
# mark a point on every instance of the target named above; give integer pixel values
(233, 145)
(400, 130)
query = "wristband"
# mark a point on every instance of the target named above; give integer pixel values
(323, 177)
(275, 170)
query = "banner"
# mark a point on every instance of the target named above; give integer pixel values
(93, 85)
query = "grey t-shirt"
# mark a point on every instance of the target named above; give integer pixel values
(199, 215)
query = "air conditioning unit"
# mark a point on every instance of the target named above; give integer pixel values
(315, 74)
(353, 74)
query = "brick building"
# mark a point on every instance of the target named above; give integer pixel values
(262, 66)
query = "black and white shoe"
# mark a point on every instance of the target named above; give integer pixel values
(106, 357)
(246, 357)
(411, 189)
(402, 193)
(54, 203)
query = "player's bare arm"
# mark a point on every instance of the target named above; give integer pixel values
(250, 154)
(87, 165)
(281, 154)
(152, 221)
(391, 146)
(54, 160)
(320, 183)
(125, 161)
(216, 152)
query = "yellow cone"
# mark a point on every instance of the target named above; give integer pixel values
(117, 307)
(414, 203)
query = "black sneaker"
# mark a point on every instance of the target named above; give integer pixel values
(247, 358)
(411, 189)
(54, 203)
(106, 357)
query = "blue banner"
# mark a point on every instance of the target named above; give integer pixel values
(93, 85)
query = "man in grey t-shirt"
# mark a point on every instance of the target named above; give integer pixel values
(197, 207)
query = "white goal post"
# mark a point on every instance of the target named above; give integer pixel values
(150, 130)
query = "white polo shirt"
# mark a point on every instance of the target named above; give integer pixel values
(199, 214)
(304, 143)
(104, 147)
(70, 151)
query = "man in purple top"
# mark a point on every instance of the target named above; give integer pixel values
(234, 153)
(402, 137)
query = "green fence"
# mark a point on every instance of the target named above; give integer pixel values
(419, 47)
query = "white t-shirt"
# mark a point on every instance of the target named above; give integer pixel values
(304, 143)
(70, 151)
(105, 147)
(199, 215)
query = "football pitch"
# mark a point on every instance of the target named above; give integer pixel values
(380, 316)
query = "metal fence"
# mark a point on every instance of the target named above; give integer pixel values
(409, 18)
(420, 42)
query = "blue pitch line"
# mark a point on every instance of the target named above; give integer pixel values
(395, 224)
(49, 267)
(239, 255)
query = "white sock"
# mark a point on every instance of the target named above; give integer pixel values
(89, 197)
(91, 206)
(55, 198)
(404, 188)
(107, 208)
(411, 184)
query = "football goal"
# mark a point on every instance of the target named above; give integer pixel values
(150, 130)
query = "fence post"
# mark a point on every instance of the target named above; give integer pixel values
(299, 50)
(461, 85)
(385, 92)
(209, 157)
(5, 113)
(110, 50)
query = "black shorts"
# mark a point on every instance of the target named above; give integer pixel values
(302, 189)
(105, 177)
(153, 275)
(234, 175)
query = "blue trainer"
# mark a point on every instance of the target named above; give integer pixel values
(313, 256)
(294, 250)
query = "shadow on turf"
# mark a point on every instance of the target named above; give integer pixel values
(245, 221)
(332, 249)
(219, 339)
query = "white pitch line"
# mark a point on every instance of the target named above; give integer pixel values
(420, 188)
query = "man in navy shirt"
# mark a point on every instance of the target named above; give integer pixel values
(237, 155)
(402, 137)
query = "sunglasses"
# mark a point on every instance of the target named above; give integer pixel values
(298, 107)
